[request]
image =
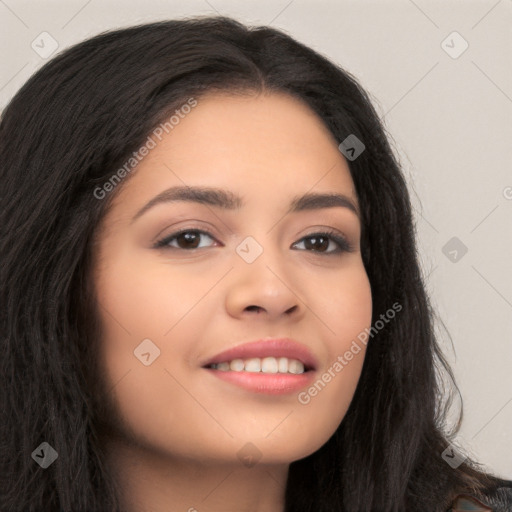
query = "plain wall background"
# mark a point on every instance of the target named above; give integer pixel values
(450, 122)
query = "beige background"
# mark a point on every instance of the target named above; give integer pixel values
(450, 122)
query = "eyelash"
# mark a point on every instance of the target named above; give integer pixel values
(343, 244)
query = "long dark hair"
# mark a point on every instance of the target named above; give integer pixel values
(68, 129)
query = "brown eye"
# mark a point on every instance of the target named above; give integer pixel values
(185, 239)
(319, 242)
(189, 239)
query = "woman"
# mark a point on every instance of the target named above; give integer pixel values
(286, 364)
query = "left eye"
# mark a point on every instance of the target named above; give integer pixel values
(318, 240)
(188, 239)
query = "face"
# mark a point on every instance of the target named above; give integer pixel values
(183, 281)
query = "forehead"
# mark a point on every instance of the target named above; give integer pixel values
(269, 145)
(262, 125)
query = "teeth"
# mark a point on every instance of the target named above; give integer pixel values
(252, 365)
(269, 365)
(237, 365)
(295, 366)
(264, 365)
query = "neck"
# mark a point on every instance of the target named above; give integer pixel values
(156, 482)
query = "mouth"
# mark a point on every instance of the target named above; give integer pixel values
(266, 365)
(271, 366)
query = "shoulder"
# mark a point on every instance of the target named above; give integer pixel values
(497, 498)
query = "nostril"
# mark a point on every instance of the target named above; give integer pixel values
(252, 308)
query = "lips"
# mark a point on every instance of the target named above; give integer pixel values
(267, 347)
(260, 381)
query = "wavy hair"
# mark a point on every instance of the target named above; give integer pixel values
(65, 132)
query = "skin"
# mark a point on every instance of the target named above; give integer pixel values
(178, 430)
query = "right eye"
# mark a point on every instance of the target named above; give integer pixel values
(186, 238)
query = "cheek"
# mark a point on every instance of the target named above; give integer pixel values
(345, 306)
(137, 308)
(347, 315)
(140, 297)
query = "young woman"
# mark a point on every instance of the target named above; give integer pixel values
(210, 293)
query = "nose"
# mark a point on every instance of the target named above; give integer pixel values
(263, 289)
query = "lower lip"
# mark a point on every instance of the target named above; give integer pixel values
(268, 383)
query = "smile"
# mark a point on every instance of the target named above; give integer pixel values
(271, 366)
(274, 365)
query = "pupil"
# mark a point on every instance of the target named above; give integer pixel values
(315, 239)
(189, 238)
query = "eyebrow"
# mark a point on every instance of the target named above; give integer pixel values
(228, 200)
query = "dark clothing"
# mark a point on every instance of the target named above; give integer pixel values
(495, 499)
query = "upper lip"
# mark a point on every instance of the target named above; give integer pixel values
(267, 347)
